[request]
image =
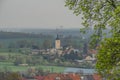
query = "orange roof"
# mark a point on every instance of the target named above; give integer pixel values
(97, 77)
(62, 76)
(92, 51)
(74, 76)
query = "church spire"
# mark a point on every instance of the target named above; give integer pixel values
(57, 38)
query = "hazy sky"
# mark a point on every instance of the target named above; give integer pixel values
(37, 14)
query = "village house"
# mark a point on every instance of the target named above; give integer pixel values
(69, 76)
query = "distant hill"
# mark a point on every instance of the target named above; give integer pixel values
(40, 33)
(17, 33)
(8, 35)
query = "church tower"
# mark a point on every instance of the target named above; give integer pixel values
(57, 42)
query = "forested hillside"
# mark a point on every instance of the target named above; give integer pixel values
(8, 35)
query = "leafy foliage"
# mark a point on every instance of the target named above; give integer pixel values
(101, 14)
(98, 14)
(108, 58)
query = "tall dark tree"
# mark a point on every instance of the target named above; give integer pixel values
(47, 44)
(85, 48)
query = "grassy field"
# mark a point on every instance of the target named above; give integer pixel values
(9, 66)
(10, 53)
(52, 68)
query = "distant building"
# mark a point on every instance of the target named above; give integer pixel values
(57, 43)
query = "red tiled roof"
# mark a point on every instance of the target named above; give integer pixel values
(92, 51)
(23, 79)
(74, 76)
(39, 77)
(62, 76)
(97, 77)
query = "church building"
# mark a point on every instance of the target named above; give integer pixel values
(57, 42)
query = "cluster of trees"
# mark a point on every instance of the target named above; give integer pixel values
(32, 44)
(76, 42)
(72, 56)
(29, 74)
(32, 40)
(10, 76)
(48, 59)
(41, 42)
(32, 72)
(101, 14)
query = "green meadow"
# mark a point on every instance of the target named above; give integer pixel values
(10, 67)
